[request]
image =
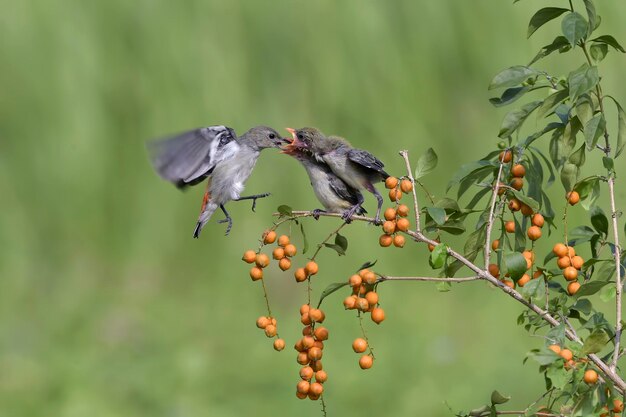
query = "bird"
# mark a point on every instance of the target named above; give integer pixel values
(335, 195)
(356, 167)
(213, 152)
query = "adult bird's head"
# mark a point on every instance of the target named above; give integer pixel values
(309, 139)
(261, 137)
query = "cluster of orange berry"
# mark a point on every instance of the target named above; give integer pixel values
(269, 325)
(568, 357)
(618, 407)
(310, 349)
(524, 279)
(395, 221)
(570, 264)
(364, 297)
(397, 187)
(360, 346)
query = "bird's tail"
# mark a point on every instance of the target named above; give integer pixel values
(206, 211)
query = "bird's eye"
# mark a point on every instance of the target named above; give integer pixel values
(300, 136)
(272, 136)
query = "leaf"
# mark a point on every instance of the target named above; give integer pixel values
(598, 51)
(558, 375)
(533, 204)
(569, 174)
(544, 356)
(497, 398)
(578, 157)
(599, 220)
(609, 40)
(593, 130)
(621, 128)
(530, 139)
(438, 214)
(468, 169)
(558, 44)
(284, 210)
(341, 241)
(551, 101)
(512, 76)
(443, 286)
(595, 342)
(340, 251)
(583, 306)
(366, 265)
(305, 240)
(582, 80)
(591, 288)
(509, 96)
(608, 293)
(584, 108)
(533, 288)
(514, 119)
(426, 163)
(542, 17)
(608, 163)
(515, 264)
(438, 256)
(574, 27)
(331, 289)
(592, 16)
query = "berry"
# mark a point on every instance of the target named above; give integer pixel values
(523, 280)
(517, 183)
(538, 220)
(317, 315)
(566, 354)
(573, 197)
(290, 250)
(389, 227)
(555, 348)
(395, 195)
(283, 240)
(570, 273)
(311, 268)
(355, 280)
(391, 182)
(316, 389)
(279, 344)
(256, 273)
(378, 315)
(301, 395)
(249, 256)
(403, 224)
(571, 252)
(262, 260)
(300, 275)
(390, 214)
(534, 232)
(308, 342)
(514, 204)
(560, 250)
(509, 283)
(406, 186)
(371, 297)
(303, 358)
(563, 262)
(518, 170)
(305, 308)
(270, 330)
(385, 240)
(305, 319)
(573, 287)
(362, 304)
(591, 376)
(618, 406)
(505, 156)
(321, 333)
(303, 387)
(366, 362)
(278, 254)
(509, 226)
(306, 373)
(316, 365)
(403, 210)
(315, 353)
(526, 210)
(262, 322)
(359, 345)
(284, 264)
(368, 276)
(398, 241)
(495, 244)
(321, 376)
(269, 237)
(577, 262)
(494, 270)
(350, 302)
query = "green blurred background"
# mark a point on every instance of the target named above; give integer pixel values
(108, 307)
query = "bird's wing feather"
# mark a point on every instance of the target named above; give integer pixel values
(343, 190)
(367, 160)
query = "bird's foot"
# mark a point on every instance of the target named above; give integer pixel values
(347, 215)
(254, 199)
(377, 221)
(316, 213)
(228, 220)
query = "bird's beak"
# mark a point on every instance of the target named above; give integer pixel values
(289, 148)
(295, 142)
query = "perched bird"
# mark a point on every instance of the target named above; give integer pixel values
(335, 195)
(356, 167)
(217, 153)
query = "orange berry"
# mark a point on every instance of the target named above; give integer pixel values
(311, 268)
(305, 319)
(269, 237)
(303, 387)
(321, 376)
(494, 270)
(299, 346)
(514, 204)
(278, 254)
(431, 247)
(350, 302)
(256, 273)
(301, 395)
(566, 354)
(315, 353)
(573, 287)
(316, 365)
(317, 315)
(316, 389)
(270, 330)
(577, 262)
(279, 344)
(509, 226)
(362, 304)
(371, 297)
(517, 183)
(262, 260)
(573, 197)
(307, 330)
(509, 283)
(304, 308)
(526, 210)
(369, 277)
(523, 280)
(559, 250)
(359, 345)
(505, 156)
(618, 406)
(391, 182)
(283, 240)
(591, 376)
(398, 241)
(563, 262)
(262, 322)
(389, 227)
(290, 250)
(403, 224)
(366, 362)
(300, 275)
(355, 280)
(302, 358)
(284, 264)
(308, 342)
(495, 244)
(537, 273)
(395, 195)
(570, 364)
(518, 170)
(378, 315)
(555, 348)
(385, 240)
(306, 373)
(321, 333)
(571, 252)
(406, 186)
(390, 214)
(538, 220)
(403, 210)
(570, 273)
(534, 233)
(249, 256)
(529, 255)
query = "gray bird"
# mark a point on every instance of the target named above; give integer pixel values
(335, 195)
(217, 153)
(356, 167)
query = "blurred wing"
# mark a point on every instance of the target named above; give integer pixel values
(343, 190)
(367, 160)
(188, 158)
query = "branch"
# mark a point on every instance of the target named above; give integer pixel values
(494, 197)
(618, 276)
(405, 155)
(434, 279)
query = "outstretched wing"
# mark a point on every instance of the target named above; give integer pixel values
(367, 160)
(188, 158)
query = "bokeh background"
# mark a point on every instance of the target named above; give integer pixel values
(108, 307)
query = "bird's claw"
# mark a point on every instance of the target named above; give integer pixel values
(316, 213)
(228, 220)
(254, 199)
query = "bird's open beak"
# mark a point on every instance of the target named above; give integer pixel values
(295, 142)
(289, 148)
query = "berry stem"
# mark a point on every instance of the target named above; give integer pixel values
(267, 302)
(405, 156)
(369, 347)
(494, 198)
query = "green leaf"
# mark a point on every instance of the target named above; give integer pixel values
(533, 289)
(514, 119)
(569, 174)
(497, 398)
(340, 251)
(574, 27)
(512, 76)
(426, 163)
(284, 210)
(584, 108)
(543, 16)
(515, 264)
(438, 214)
(608, 293)
(582, 80)
(533, 204)
(443, 286)
(583, 306)
(591, 288)
(558, 44)
(598, 51)
(479, 411)
(305, 240)
(595, 342)
(530, 139)
(544, 356)
(509, 96)
(341, 241)
(438, 256)
(331, 289)
(558, 376)
(599, 220)
(578, 157)
(609, 40)
(470, 168)
(621, 128)
(593, 130)
(608, 163)
(551, 101)
(592, 16)
(366, 265)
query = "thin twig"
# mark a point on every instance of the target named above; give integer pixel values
(434, 279)
(494, 198)
(405, 156)
(618, 276)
